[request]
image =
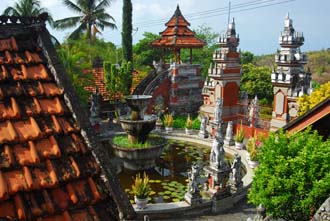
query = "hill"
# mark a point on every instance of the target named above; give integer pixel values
(318, 62)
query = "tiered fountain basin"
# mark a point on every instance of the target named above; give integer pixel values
(138, 151)
(141, 157)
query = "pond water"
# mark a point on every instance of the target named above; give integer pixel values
(169, 178)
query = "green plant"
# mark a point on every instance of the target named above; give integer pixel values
(293, 177)
(252, 148)
(141, 187)
(240, 135)
(168, 120)
(189, 122)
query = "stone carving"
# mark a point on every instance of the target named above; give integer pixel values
(193, 177)
(323, 213)
(236, 171)
(217, 155)
(254, 110)
(202, 130)
(229, 138)
(218, 111)
(95, 105)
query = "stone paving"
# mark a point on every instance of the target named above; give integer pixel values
(240, 213)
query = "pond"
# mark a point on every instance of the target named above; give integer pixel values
(169, 178)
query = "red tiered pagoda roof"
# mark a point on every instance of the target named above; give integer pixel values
(177, 34)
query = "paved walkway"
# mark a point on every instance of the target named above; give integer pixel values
(240, 213)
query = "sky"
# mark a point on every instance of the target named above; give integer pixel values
(258, 22)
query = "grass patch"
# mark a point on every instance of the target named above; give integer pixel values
(153, 140)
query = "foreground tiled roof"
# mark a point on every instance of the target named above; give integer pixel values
(177, 34)
(48, 169)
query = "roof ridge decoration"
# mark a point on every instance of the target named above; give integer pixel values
(24, 20)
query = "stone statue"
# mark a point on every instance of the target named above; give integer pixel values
(217, 155)
(202, 130)
(95, 106)
(236, 170)
(193, 177)
(254, 112)
(218, 110)
(229, 138)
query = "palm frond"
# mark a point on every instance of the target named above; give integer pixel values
(10, 11)
(72, 6)
(107, 24)
(67, 22)
(76, 33)
(103, 4)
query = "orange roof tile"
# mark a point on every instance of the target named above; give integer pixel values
(47, 169)
(177, 34)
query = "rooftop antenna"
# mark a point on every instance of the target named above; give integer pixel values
(229, 8)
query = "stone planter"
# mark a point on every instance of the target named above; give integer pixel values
(188, 131)
(247, 156)
(253, 164)
(239, 146)
(141, 203)
(169, 129)
(158, 127)
(139, 158)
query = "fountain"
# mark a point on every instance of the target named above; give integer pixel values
(142, 150)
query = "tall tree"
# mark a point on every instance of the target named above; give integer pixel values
(92, 15)
(28, 8)
(127, 30)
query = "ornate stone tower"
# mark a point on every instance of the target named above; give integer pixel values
(224, 77)
(289, 80)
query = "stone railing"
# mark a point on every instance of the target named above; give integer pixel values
(156, 82)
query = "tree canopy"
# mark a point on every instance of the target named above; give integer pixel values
(306, 102)
(144, 53)
(293, 178)
(92, 15)
(256, 81)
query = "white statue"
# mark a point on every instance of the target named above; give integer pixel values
(193, 179)
(217, 155)
(218, 110)
(236, 170)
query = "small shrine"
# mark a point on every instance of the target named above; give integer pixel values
(224, 79)
(289, 80)
(180, 86)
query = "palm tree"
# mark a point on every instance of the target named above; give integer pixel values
(28, 8)
(92, 15)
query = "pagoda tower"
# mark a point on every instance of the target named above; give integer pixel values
(224, 78)
(182, 84)
(289, 80)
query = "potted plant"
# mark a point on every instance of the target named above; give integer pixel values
(168, 122)
(252, 147)
(189, 124)
(141, 189)
(239, 138)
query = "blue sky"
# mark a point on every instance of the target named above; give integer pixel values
(258, 28)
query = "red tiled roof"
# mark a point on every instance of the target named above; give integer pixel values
(47, 171)
(98, 76)
(177, 34)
